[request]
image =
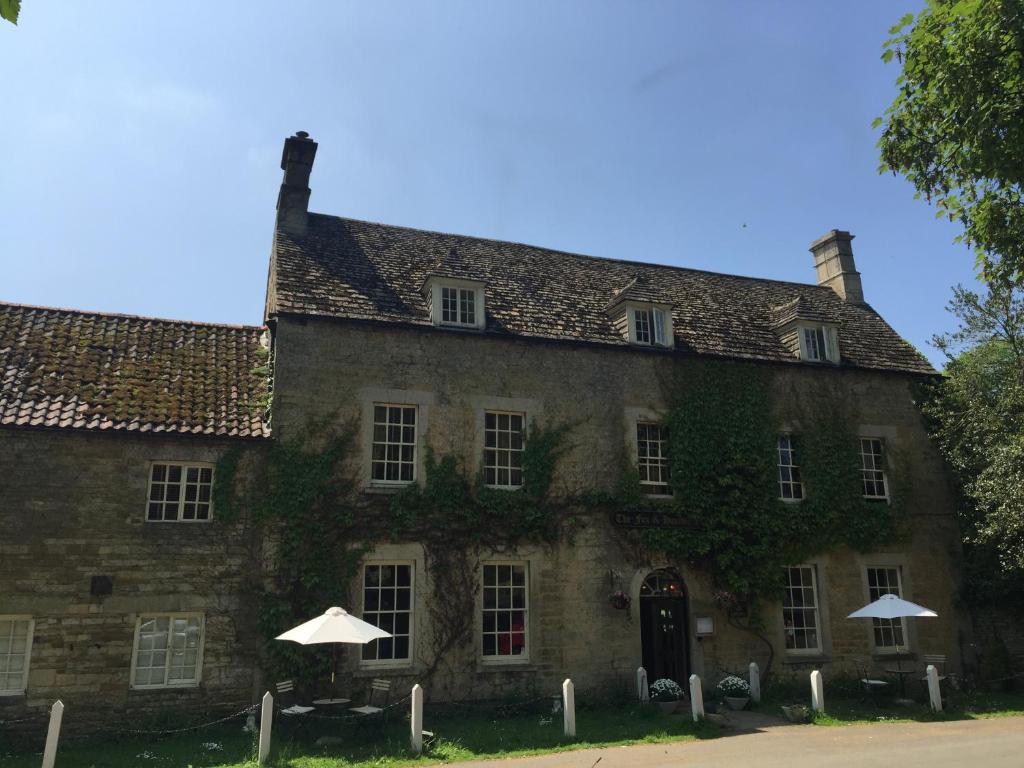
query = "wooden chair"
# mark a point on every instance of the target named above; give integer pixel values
(380, 687)
(296, 713)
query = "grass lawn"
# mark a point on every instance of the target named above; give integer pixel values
(472, 736)
(848, 708)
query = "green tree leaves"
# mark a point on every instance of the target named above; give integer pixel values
(9, 10)
(956, 126)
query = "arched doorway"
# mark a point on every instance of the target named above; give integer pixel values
(663, 632)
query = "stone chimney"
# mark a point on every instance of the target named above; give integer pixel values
(833, 261)
(293, 199)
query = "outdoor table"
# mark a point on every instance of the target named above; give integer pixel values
(902, 673)
(331, 702)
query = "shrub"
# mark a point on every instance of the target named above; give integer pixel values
(666, 690)
(734, 686)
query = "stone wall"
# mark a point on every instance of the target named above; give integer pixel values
(74, 507)
(335, 371)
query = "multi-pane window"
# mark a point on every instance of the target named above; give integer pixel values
(889, 633)
(503, 449)
(652, 458)
(505, 605)
(791, 487)
(819, 343)
(649, 326)
(800, 610)
(168, 650)
(15, 649)
(872, 463)
(394, 444)
(387, 603)
(458, 306)
(180, 492)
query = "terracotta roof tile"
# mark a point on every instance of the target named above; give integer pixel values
(83, 370)
(360, 270)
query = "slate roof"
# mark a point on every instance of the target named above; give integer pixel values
(84, 370)
(343, 268)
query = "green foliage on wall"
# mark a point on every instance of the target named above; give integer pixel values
(724, 481)
(317, 528)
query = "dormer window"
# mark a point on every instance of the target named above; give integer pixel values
(648, 325)
(454, 302)
(818, 343)
(458, 306)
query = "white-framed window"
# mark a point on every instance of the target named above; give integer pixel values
(872, 467)
(791, 486)
(504, 441)
(388, 604)
(168, 650)
(180, 492)
(652, 458)
(819, 343)
(505, 601)
(458, 306)
(393, 457)
(889, 634)
(800, 617)
(15, 653)
(648, 326)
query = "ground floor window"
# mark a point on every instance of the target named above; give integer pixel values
(889, 633)
(15, 650)
(387, 603)
(800, 610)
(505, 606)
(168, 651)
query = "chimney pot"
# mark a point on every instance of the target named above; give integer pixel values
(835, 267)
(297, 163)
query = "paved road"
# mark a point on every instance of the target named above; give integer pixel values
(990, 743)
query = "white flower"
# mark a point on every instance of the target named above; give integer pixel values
(212, 746)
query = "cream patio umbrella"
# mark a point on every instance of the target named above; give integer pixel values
(893, 607)
(336, 625)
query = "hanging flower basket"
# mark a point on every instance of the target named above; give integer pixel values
(620, 600)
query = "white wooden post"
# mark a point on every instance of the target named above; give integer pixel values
(817, 692)
(934, 692)
(416, 719)
(266, 720)
(53, 734)
(569, 710)
(755, 682)
(643, 692)
(696, 699)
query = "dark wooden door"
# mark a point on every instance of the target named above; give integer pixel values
(663, 636)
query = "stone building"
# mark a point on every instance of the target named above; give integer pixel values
(117, 576)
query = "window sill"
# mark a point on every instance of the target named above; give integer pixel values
(519, 665)
(386, 490)
(659, 496)
(159, 688)
(882, 654)
(383, 670)
(791, 501)
(12, 694)
(810, 658)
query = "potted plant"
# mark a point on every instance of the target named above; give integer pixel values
(735, 691)
(666, 694)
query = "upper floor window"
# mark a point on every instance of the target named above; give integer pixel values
(800, 610)
(652, 458)
(393, 458)
(505, 606)
(648, 326)
(387, 603)
(168, 651)
(455, 302)
(15, 651)
(818, 343)
(888, 633)
(180, 493)
(458, 306)
(503, 449)
(872, 464)
(791, 487)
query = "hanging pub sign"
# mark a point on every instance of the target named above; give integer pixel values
(648, 520)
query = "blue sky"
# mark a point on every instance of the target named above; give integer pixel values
(142, 141)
